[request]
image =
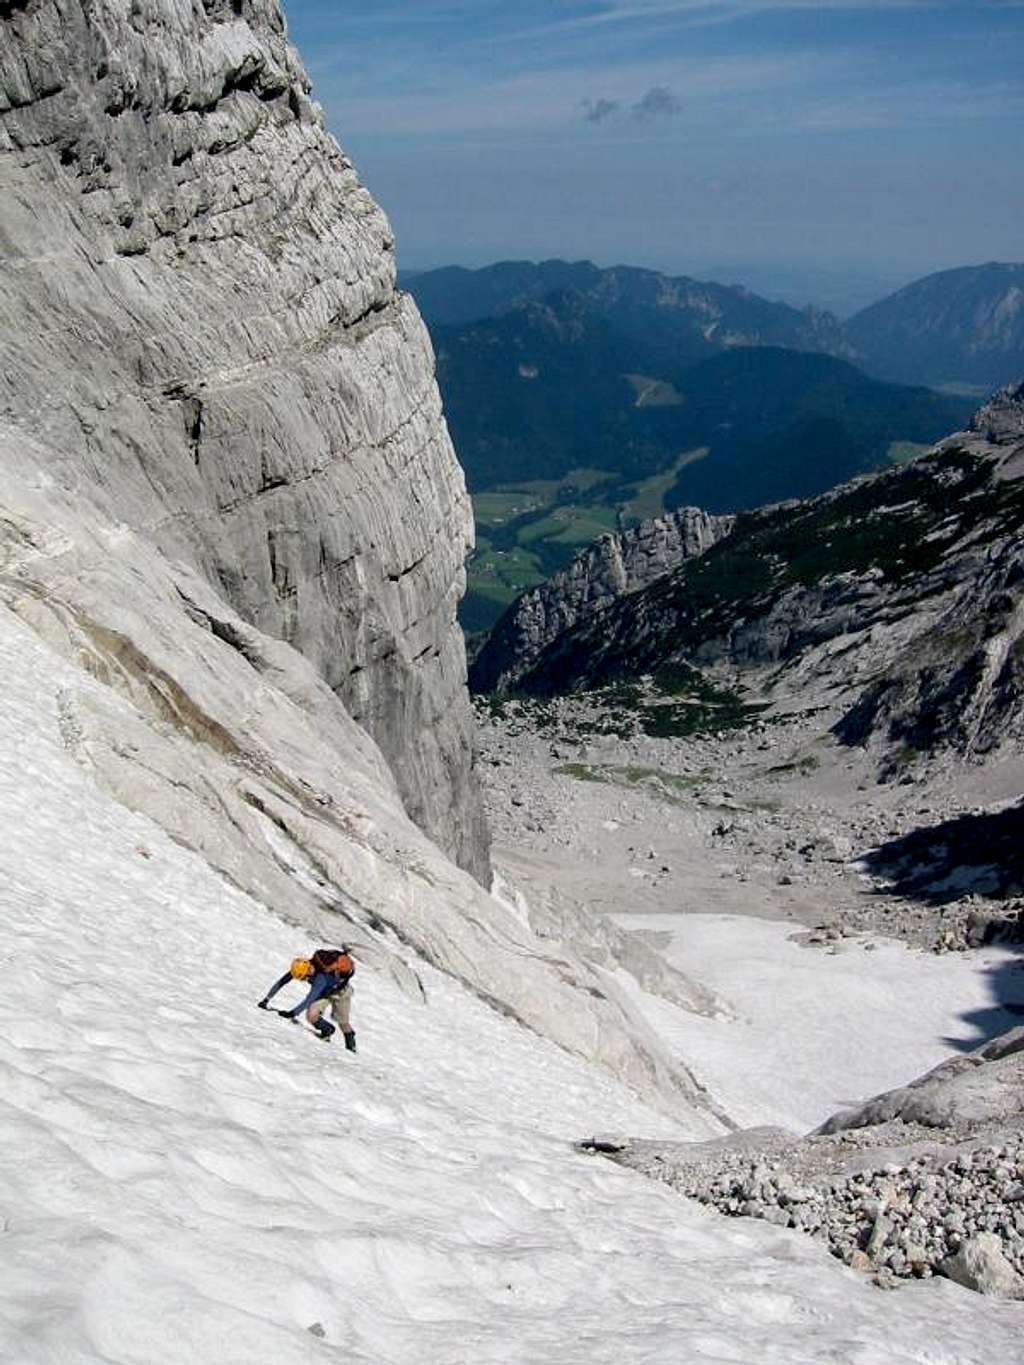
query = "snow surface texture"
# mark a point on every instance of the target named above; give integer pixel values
(184, 1178)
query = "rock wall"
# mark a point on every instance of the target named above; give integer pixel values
(613, 566)
(199, 323)
(959, 683)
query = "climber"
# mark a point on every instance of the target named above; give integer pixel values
(329, 975)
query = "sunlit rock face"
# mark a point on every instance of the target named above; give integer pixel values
(200, 329)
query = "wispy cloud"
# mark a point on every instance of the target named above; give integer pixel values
(710, 12)
(553, 100)
(923, 105)
(596, 111)
(483, 82)
(658, 102)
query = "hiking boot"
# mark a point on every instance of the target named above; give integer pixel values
(324, 1028)
(350, 1042)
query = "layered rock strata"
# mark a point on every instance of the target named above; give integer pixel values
(201, 329)
(960, 681)
(610, 568)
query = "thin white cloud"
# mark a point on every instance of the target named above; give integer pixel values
(706, 12)
(925, 104)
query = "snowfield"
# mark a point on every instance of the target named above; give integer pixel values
(186, 1179)
(812, 1032)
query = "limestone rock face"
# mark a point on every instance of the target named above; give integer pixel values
(200, 325)
(612, 567)
(959, 683)
(233, 744)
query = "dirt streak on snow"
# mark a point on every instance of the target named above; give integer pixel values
(186, 1179)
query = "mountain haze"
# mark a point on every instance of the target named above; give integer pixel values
(582, 400)
(961, 326)
(555, 385)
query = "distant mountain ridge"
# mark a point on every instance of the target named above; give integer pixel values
(964, 325)
(694, 317)
(561, 383)
(582, 400)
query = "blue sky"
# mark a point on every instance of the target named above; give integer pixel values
(812, 149)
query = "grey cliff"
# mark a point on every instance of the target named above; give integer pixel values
(200, 323)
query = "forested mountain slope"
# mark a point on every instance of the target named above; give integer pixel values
(899, 591)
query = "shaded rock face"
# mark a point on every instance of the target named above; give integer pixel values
(200, 326)
(960, 682)
(613, 566)
(980, 853)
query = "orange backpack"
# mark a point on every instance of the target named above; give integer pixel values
(334, 961)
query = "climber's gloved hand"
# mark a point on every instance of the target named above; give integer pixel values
(286, 1015)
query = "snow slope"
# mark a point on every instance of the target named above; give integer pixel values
(814, 1032)
(184, 1179)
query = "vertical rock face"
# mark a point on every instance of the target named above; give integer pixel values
(198, 318)
(613, 566)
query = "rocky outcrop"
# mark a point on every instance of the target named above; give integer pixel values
(959, 683)
(201, 333)
(983, 1086)
(896, 597)
(610, 568)
(924, 1180)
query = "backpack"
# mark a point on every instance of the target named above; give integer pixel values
(301, 969)
(334, 961)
